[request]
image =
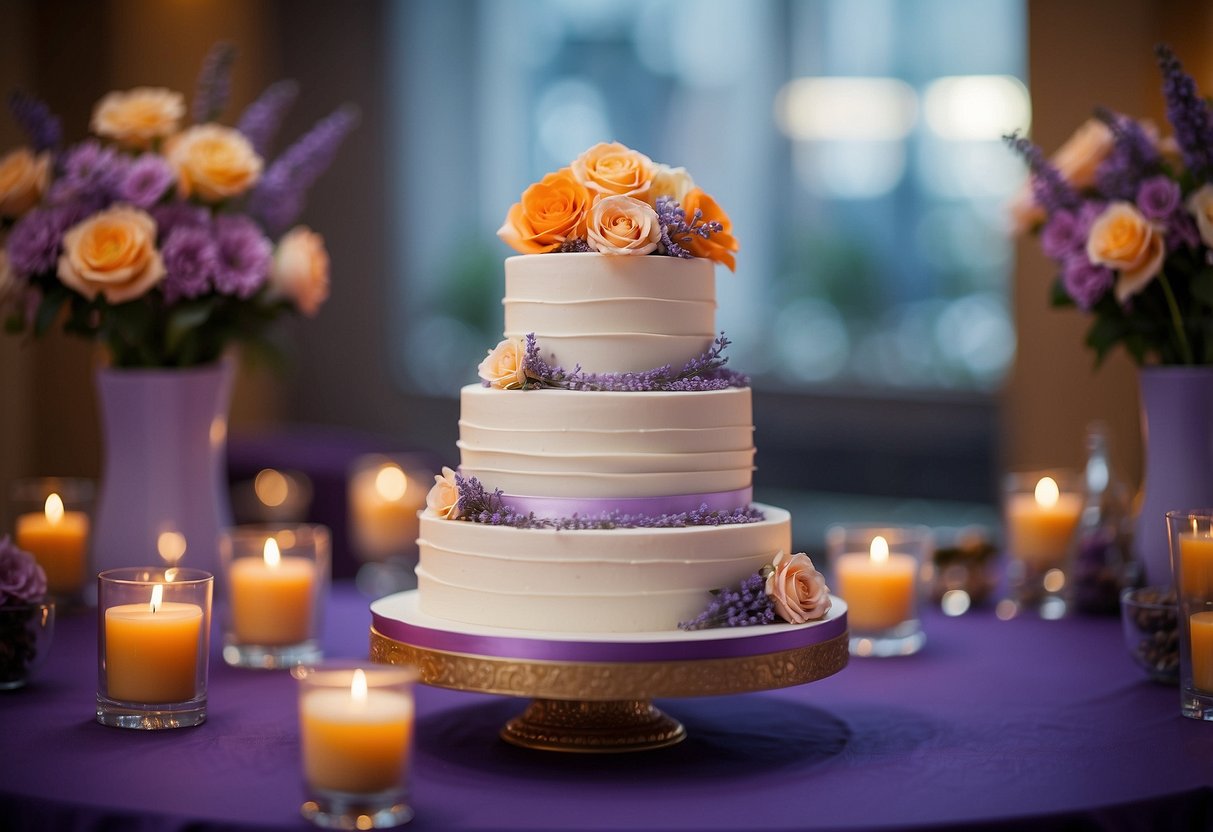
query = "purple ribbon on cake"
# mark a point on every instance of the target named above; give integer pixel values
(559, 507)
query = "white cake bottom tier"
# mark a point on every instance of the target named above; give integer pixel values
(571, 444)
(620, 580)
(609, 313)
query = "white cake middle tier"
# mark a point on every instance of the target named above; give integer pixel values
(609, 446)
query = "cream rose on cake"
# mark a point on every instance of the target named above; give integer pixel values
(112, 254)
(623, 225)
(797, 589)
(505, 365)
(23, 179)
(674, 183)
(136, 118)
(443, 499)
(213, 162)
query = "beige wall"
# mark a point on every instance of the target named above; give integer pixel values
(1085, 53)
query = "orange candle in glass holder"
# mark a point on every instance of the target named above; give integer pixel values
(58, 540)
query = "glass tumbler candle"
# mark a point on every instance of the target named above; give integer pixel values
(1041, 510)
(356, 734)
(154, 629)
(386, 496)
(1191, 537)
(275, 578)
(876, 571)
(51, 520)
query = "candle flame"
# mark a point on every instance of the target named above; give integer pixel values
(1047, 493)
(54, 509)
(358, 686)
(157, 597)
(880, 550)
(391, 482)
(271, 553)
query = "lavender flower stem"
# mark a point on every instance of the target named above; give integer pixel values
(1185, 349)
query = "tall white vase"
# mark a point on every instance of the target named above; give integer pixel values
(164, 480)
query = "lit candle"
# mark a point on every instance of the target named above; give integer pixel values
(58, 540)
(151, 650)
(385, 504)
(1196, 566)
(355, 740)
(1041, 525)
(877, 586)
(1200, 633)
(272, 597)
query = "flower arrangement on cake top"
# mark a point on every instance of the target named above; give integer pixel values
(164, 241)
(1127, 215)
(615, 200)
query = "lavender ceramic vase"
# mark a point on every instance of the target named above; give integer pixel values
(164, 480)
(1177, 439)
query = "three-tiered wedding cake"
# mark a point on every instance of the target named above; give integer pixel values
(606, 458)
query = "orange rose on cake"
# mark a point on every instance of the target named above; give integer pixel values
(112, 254)
(613, 169)
(550, 212)
(719, 246)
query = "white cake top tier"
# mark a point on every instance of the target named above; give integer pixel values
(612, 314)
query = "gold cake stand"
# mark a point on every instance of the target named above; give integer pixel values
(597, 706)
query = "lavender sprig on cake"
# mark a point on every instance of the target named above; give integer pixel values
(787, 590)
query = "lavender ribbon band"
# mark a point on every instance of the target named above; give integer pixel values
(755, 642)
(559, 507)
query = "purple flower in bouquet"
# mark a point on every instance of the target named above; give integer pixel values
(36, 120)
(1134, 155)
(34, 243)
(145, 180)
(173, 215)
(1063, 235)
(191, 260)
(260, 121)
(1188, 113)
(90, 174)
(22, 580)
(1084, 281)
(214, 83)
(1158, 197)
(245, 256)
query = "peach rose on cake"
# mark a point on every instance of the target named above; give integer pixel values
(23, 180)
(1200, 206)
(608, 169)
(112, 254)
(505, 365)
(797, 589)
(550, 212)
(721, 245)
(300, 272)
(1124, 240)
(443, 499)
(623, 225)
(138, 117)
(213, 163)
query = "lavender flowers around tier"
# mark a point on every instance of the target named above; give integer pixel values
(704, 372)
(744, 605)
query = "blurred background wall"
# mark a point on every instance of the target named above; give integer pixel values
(409, 208)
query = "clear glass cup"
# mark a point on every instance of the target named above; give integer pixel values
(1190, 534)
(1041, 512)
(356, 738)
(26, 631)
(51, 519)
(154, 627)
(275, 582)
(877, 571)
(386, 495)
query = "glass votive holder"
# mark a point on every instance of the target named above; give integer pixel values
(876, 570)
(154, 627)
(386, 495)
(356, 736)
(1191, 538)
(1041, 511)
(275, 580)
(51, 518)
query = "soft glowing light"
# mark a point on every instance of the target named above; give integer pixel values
(54, 509)
(1053, 580)
(358, 686)
(170, 574)
(286, 539)
(977, 107)
(391, 482)
(863, 109)
(1047, 492)
(218, 431)
(171, 545)
(879, 551)
(271, 487)
(955, 602)
(157, 597)
(270, 553)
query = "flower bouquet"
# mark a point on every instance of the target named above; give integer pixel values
(27, 619)
(1127, 216)
(164, 241)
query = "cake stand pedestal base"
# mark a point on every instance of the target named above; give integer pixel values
(593, 727)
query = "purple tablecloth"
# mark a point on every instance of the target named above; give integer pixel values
(1024, 723)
